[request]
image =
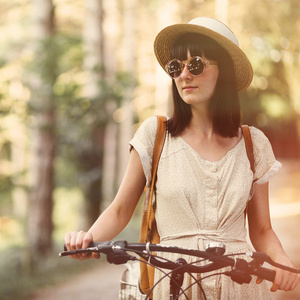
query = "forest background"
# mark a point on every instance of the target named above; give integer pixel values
(76, 80)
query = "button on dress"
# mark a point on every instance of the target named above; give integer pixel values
(200, 201)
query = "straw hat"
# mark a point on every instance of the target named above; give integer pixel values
(217, 31)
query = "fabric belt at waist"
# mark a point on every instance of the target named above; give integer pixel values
(212, 235)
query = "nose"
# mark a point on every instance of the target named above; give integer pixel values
(185, 73)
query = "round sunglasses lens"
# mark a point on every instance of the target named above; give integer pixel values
(174, 68)
(196, 66)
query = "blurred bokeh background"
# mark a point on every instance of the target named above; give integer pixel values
(78, 77)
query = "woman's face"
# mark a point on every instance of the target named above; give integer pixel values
(197, 90)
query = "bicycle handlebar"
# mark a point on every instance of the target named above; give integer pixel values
(116, 252)
(241, 269)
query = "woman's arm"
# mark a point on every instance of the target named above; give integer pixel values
(264, 238)
(115, 218)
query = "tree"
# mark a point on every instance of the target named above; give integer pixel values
(90, 154)
(42, 78)
(129, 48)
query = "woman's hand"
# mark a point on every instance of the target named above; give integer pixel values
(284, 280)
(79, 240)
(264, 239)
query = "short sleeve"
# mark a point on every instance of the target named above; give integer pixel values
(143, 142)
(265, 163)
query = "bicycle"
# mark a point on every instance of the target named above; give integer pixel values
(117, 252)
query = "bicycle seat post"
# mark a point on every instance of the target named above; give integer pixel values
(177, 279)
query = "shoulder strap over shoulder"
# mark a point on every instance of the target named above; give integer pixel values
(249, 145)
(158, 146)
(250, 154)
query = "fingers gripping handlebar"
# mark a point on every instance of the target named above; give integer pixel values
(114, 251)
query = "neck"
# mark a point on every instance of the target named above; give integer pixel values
(202, 123)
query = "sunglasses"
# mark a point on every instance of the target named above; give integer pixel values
(196, 66)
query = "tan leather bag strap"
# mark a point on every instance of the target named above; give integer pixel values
(249, 145)
(250, 154)
(158, 146)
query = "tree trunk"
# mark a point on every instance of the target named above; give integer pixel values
(129, 47)
(92, 156)
(43, 112)
(164, 18)
(112, 30)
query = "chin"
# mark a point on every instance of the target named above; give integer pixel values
(195, 101)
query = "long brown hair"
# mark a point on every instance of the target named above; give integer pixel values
(224, 106)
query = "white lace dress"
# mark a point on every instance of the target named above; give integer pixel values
(200, 201)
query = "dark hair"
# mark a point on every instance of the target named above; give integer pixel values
(224, 106)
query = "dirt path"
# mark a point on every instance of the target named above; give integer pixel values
(103, 283)
(97, 284)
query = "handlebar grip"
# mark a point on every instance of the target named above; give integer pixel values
(92, 244)
(265, 273)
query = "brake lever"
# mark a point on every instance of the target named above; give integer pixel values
(240, 272)
(261, 257)
(118, 255)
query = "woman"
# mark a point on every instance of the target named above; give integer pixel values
(204, 180)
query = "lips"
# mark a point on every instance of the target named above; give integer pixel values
(189, 88)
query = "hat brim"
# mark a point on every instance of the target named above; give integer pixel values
(168, 36)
